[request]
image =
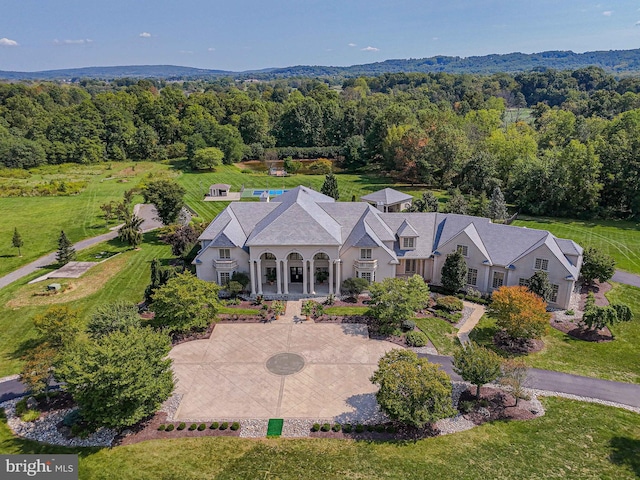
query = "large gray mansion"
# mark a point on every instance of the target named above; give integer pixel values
(305, 243)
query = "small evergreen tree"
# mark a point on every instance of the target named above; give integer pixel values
(540, 285)
(481, 208)
(330, 186)
(66, 252)
(454, 272)
(17, 241)
(497, 206)
(130, 232)
(457, 203)
(428, 203)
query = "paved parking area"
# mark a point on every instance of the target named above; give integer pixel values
(229, 376)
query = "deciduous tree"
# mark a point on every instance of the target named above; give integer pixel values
(168, 198)
(17, 241)
(476, 365)
(597, 265)
(37, 371)
(412, 390)
(109, 317)
(519, 312)
(59, 326)
(395, 300)
(207, 158)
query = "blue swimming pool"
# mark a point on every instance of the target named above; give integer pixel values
(257, 193)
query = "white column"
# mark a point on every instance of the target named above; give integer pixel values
(278, 278)
(312, 274)
(330, 276)
(252, 276)
(338, 277)
(304, 277)
(286, 276)
(259, 276)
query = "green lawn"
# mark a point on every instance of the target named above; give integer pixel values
(573, 440)
(617, 360)
(441, 333)
(346, 311)
(16, 324)
(40, 219)
(617, 238)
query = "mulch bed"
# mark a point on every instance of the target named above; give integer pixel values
(517, 345)
(402, 432)
(599, 290)
(58, 400)
(148, 430)
(500, 405)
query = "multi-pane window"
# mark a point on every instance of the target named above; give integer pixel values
(410, 266)
(554, 293)
(498, 279)
(463, 249)
(295, 256)
(366, 276)
(541, 264)
(365, 253)
(269, 256)
(408, 242)
(224, 278)
(523, 282)
(225, 254)
(472, 276)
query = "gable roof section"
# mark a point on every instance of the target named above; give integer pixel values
(550, 242)
(387, 196)
(406, 230)
(569, 247)
(473, 235)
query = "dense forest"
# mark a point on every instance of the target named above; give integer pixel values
(577, 154)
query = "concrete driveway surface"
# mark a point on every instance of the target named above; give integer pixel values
(235, 374)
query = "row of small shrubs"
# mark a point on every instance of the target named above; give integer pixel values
(203, 426)
(348, 428)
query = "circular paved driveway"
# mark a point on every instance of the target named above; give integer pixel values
(226, 376)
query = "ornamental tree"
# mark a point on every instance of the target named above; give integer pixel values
(37, 371)
(597, 265)
(120, 378)
(59, 326)
(168, 198)
(519, 312)
(130, 232)
(476, 365)
(454, 272)
(395, 300)
(184, 303)
(412, 390)
(17, 241)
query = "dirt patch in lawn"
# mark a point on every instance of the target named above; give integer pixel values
(75, 288)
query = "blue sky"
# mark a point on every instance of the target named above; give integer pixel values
(251, 34)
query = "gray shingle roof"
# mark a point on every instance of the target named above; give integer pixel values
(387, 196)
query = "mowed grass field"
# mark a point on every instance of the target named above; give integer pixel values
(40, 219)
(618, 238)
(617, 360)
(573, 440)
(123, 277)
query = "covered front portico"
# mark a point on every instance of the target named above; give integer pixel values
(297, 271)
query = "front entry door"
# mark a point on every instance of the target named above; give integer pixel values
(296, 274)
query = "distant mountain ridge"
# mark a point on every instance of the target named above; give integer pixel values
(612, 61)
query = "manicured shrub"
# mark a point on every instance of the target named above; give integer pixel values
(380, 428)
(325, 427)
(569, 312)
(416, 339)
(201, 427)
(465, 406)
(214, 426)
(161, 427)
(224, 425)
(30, 416)
(623, 311)
(169, 428)
(192, 427)
(392, 429)
(346, 428)
(408, 325)
(449, 303)
(21, 408)
(315, 427)
(371, 428)
(359, 428)
(235, 426)
(182, 426)
(336, 427)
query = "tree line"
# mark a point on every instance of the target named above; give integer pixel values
(573, 152)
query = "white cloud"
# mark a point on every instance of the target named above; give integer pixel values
(353, 45)
(145, 35)
(370, 49)
(81, 41)
(186, 52)
(638, 23)
(5, 42)
(211, 49)
(608, 13)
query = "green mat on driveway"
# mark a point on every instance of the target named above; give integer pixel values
(274, 429)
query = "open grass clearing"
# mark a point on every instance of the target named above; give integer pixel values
(618, 238)
(441, 333)
(573, 440)
(127, 283)
(617, 360)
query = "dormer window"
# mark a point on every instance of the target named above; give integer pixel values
(408, 243)
(365, 254)
(463, 249)
(225, 253)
